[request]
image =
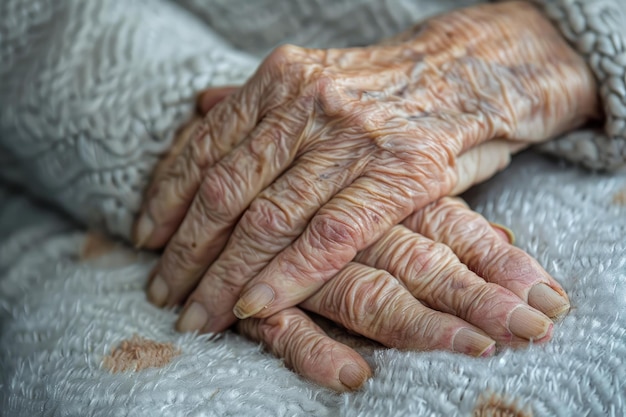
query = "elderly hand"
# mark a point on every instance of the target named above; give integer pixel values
(412, 290)
(323, 151)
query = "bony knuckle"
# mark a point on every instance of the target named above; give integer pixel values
(286, 61)
(330, 232)
(275, 331)
(212, 193)
(431, 257)
(268, 218)
(286, 52)
(368, 296)
(481, 298)
(218, 200)
(427, 327)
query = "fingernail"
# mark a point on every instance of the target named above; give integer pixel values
(473, 343)
(158, 291)
(254, 300)
(505, 231)
(528, 324)
(145, 227)
(551, 303)
(194, 317)
(353, 376)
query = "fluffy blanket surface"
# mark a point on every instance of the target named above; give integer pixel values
(63, 311)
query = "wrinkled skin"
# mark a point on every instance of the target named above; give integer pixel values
(414, 291)
(407, 291)
(322, 152)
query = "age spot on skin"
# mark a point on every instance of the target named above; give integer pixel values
(139, 353)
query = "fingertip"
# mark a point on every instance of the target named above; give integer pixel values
(353, 376)
(254, 300)
(193, 318)
(158, 291)
(548, 300)
(144, 228)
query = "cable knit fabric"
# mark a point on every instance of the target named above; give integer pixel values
(597, 29)
(92, 93)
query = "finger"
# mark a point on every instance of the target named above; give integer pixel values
(375, 304)
(482, 249)
(433, 274)
(170, 165)
(168, 199)
(273, 220)
(353, 219)
(227, 125)
(225, 193)
(290, 334)
(482, 162)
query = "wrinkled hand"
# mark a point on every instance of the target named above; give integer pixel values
(323, 151)
(412, 290)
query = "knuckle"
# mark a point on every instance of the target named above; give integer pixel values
(431, 258)
(428, 329)
(284, 336)
(288, 63)
(451, 205)
(250, 328)
(276, 328)
(172, 192)
(212, 193)
(383, 306)
(367, 295)
(328, 233)
(198, 151)
(284, 54)
(266, 219)
(508, 263)
(219, 197)
(430, 220)
(481, 298)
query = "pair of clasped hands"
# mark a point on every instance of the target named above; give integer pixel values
(322, 184)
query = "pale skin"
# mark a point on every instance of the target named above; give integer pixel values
(314, 160)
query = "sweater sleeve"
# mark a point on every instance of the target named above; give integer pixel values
(597, 29)
(92, 93)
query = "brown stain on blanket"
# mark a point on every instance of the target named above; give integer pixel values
(139, 353)
(96, 244)
(619, 198)
(494, 405)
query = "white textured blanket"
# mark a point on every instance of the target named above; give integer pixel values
(61, 316)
